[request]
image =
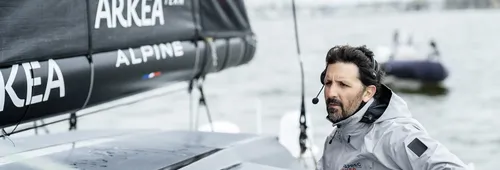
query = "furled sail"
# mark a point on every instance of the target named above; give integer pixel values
(58, 56)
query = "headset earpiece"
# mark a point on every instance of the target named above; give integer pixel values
(322, 80)
(322, 77)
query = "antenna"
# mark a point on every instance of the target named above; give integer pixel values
(302, 121)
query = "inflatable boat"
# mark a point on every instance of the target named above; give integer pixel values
(413, 69)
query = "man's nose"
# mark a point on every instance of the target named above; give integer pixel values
(331, 92)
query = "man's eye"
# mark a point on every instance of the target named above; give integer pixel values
(343, 84)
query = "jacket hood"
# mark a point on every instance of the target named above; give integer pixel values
(387, 106)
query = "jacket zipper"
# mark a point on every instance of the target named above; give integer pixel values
(333, 137)
(337, 163)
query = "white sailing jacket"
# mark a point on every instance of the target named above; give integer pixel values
(383, 135)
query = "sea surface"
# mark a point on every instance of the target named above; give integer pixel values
(466, 119)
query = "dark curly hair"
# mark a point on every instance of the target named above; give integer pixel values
(361, 57)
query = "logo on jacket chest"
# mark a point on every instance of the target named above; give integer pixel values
(353, 166)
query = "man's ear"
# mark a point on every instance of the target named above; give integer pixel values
(369, 92)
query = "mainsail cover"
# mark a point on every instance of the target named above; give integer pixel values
(50, 29)
(59, 56)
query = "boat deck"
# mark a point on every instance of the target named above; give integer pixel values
(145, 150)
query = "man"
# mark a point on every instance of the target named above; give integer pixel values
(395, 44)
(374, 128)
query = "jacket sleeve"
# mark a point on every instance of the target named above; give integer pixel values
(409, 147)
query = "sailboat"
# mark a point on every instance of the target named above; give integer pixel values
(73, 58)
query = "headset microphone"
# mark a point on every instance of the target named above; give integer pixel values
(316, 100)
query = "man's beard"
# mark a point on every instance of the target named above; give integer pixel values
(335, 115)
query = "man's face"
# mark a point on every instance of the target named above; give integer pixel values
(344, 91)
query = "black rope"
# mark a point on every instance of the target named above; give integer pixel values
(27, 108)
(203, 103)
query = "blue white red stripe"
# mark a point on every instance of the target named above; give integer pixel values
(151, 75)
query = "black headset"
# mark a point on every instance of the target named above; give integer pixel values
(375, 68)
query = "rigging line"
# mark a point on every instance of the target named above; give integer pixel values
(6, 136)
(312, 154)
(190, 91)
(303, 126)
(158, 94)
(43, 125)
(302, 104)
(46, 129)
(197, 120)
(302, 119)
(315, 163)
(203, 102)
(28, 107)
(296, 29)
(90, 55)
(39, 126)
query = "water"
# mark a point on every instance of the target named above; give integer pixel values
(464, 120)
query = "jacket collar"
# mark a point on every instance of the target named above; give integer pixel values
(354, 118)
(349, 128)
